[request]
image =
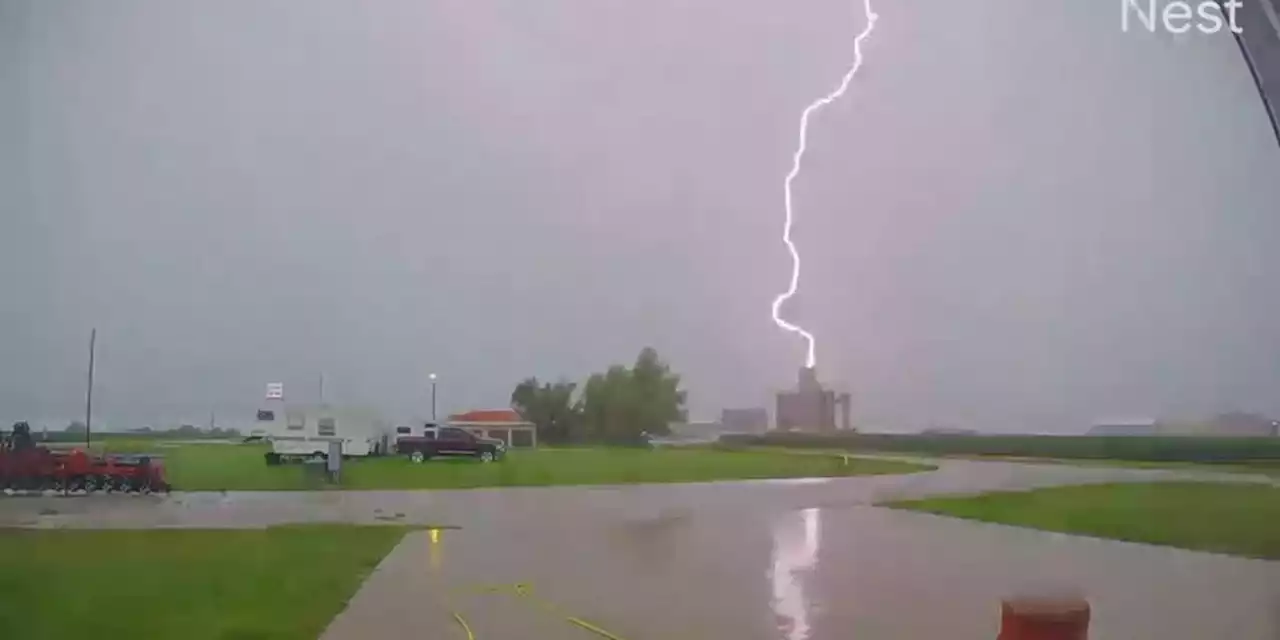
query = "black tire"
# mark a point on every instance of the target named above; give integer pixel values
(486, 456)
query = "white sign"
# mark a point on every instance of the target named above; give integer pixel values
(275, 390)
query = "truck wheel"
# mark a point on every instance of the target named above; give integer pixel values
(417, 457)
(486, 456)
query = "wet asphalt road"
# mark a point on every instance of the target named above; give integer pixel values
(525, 506)
(801, 560)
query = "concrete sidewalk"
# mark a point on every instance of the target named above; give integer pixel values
(411, 596)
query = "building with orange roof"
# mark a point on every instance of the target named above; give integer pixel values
(501, 424)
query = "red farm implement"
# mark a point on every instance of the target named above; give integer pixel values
(26, 466)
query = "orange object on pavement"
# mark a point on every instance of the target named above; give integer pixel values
(1044, 618)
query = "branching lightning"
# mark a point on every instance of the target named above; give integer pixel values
(840, 90)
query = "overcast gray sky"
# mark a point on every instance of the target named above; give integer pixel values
(1019, 218)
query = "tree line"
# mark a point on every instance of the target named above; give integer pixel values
(616, 406)
(75, 430)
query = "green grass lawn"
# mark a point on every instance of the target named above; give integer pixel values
(278, 583)
(1234, 518)
(1263, 467)
(196, 467)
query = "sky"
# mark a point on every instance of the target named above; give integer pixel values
(1020, 218)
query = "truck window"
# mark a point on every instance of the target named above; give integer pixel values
(453, 433)
(327, 427)
(265, 415)
(403, 430)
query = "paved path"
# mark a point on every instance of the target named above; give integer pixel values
(801, 560)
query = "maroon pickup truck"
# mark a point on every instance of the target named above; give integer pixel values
(449, 441)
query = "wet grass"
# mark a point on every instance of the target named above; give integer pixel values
(1248, 467)
(1156, 448)
(614, 466)
(241, 467)
(1263, 467)
(267, 584)
(1232, 518)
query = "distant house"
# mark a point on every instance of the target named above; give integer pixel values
(1132, 427)
(501, 424)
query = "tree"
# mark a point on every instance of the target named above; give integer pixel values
(615, 406)
(608, 405)
(622, 403)
(659, 401)
(549, 406)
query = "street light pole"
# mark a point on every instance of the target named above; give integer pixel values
(433, 397)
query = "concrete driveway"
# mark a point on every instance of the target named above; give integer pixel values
(813, 574)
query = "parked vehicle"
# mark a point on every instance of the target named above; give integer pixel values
(449, 441)
(424, 430)
(305, 432)
(27, 466)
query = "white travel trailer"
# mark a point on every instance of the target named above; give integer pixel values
(306, 431)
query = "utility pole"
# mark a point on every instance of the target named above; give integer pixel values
(322, 388)
(88, 396)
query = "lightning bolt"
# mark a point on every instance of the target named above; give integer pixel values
(813, 107)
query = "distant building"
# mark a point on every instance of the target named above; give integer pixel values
(1237, 423)
(948, 431)
(1131, 427)
(811, 407)
(702, 431)
(1226, 425)
(500, 424)
(754, 420)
